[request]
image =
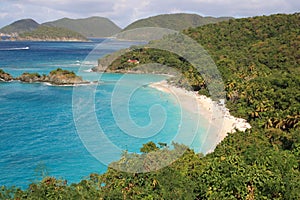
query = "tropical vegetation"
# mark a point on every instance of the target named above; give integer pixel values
(259, 61)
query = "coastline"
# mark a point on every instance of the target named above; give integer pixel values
(217, 115)
(70, 85)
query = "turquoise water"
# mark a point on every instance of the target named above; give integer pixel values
(38, 134)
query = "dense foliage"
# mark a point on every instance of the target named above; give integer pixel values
(178, 21)
(51, 33)
(186, 75)
(259, 62)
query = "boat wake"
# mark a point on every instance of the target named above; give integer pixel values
(14, 49)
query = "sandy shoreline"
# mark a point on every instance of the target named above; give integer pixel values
(216, 114)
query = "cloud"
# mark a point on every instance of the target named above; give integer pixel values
(124, 12)
(73, 6)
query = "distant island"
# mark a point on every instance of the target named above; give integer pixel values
(45, 33)
(58, 77)
(60, 30)
(67, 29)
(28, 29)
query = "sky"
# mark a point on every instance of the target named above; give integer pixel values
(124, 12)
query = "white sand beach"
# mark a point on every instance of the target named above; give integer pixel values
(214, 112)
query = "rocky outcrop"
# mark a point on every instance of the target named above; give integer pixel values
(99, 68)
(30, 77)
(64, 77)
(105, 62)
(5, 77)
(55, 77)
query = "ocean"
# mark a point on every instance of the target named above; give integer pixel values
(38, 133)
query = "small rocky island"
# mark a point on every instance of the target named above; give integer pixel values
(55, 77)
(5, 77)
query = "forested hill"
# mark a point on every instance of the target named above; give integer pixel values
(20, 26)
(89, 27)
(177, 21)
(259, 61)
(46, 33)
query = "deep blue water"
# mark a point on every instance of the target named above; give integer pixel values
(37, 130)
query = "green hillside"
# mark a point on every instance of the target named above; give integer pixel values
(20, 26)
(89, 27)
(259, 61)
(51, 34)
(255, 56)
(175, 21)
